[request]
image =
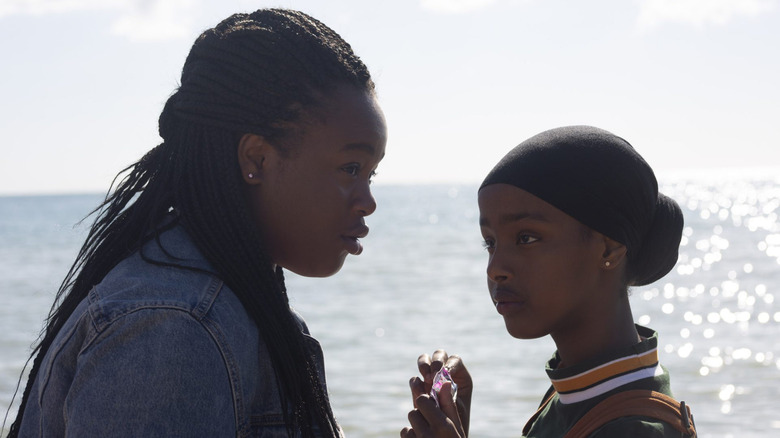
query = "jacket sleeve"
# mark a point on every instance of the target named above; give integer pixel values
(153, 372)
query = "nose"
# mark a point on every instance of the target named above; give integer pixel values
(497, 269)
(365, 204)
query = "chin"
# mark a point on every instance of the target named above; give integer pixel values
(318, 270)
(524, 332)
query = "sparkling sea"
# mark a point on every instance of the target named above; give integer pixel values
(420, 285)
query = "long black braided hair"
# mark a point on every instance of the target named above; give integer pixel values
(252, 73)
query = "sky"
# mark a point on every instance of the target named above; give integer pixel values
(692, 84)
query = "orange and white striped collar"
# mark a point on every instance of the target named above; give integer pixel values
(594, 378)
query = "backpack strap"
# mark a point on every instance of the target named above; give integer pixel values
(640, 402)
(533, 418)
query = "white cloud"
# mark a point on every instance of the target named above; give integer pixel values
(455, 6)
(699, 12)
(137, 19)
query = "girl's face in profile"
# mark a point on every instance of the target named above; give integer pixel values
(543, 264)
(311, 201)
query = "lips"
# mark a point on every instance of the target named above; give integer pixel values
(352, 239)
(507, 301)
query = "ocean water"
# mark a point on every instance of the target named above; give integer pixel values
(420, 285)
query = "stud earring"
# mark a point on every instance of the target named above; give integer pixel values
(607, 263)
(251, 175)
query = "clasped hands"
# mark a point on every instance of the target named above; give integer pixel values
(451, 419)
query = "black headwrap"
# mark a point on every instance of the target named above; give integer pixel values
(598, 179)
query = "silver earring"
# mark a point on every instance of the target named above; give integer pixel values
(251, 175)
(607, 263)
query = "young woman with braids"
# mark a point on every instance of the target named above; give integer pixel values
(571, 218)
(174, 320)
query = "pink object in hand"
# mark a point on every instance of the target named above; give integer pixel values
(438, 380)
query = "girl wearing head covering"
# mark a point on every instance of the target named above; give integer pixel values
(572, 218)
(174, 319)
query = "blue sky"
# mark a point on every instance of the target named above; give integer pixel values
(692, 84)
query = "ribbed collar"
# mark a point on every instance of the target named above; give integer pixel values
(598, 376)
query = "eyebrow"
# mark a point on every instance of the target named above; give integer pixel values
(509, 218)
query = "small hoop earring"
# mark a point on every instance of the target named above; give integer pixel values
(607, 263)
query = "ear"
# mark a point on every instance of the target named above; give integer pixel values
(254, 153)
(614, 253)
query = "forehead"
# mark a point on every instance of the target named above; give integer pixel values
(347, 120)
(500, 204)
(504, 197)
(352, 109)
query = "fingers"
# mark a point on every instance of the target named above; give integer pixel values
(459, 372)
(430, 421)
(430, 365)
(419, 423)
(448, 406)
(408, 433)
(438, 360)
(428, 412)
(424, 366)
(418, 388)
(462, 378)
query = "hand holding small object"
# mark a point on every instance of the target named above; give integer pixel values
(436, 415)
(441, 377)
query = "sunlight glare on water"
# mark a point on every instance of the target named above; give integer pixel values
(420, 285)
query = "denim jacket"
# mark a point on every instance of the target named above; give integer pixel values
(159, 351)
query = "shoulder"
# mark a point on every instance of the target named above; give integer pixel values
(167, 376)
(157, 371)
(167, 273)
(638, 413)
(636, 426)
(167, 302)
(155, 342)
(130, 317)
(167, 311)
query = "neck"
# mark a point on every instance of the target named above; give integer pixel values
(596, 334)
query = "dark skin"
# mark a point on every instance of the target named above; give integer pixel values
(452, 419)
(319, 183)
(547, 275)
